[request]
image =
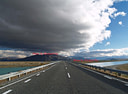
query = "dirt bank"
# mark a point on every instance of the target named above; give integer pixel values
(21, 63)
(123, 67)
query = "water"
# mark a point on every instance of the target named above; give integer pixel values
(12, 69)
(104, 64)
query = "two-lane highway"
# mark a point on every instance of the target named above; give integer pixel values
(66, 78)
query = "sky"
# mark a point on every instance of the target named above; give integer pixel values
(86, 28)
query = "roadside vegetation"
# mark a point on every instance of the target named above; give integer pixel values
(123, 67)
(98, 61)
(7, 64)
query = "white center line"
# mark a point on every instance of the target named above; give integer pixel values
(66, 68)
(7, 92)
(27, 81)
(68, 75)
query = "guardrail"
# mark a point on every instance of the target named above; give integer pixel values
(113, 72)
(14, 75)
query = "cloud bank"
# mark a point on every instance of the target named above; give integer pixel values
(85, 54)
(103, 53)
(54, 25)
(14, 54)
(119, 14)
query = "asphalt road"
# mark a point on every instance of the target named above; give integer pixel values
(66, 78)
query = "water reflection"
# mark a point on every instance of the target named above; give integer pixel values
(13, 69)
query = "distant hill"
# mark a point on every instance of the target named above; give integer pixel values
(8, 59)
(54, 57)
(77, 57)
(43, 58)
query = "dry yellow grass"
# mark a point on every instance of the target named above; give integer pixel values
(123, 76)
(21, 63)
(122, 67)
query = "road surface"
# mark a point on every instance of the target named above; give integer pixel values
(66, 78)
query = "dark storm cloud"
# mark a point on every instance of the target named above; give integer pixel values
(39, 25)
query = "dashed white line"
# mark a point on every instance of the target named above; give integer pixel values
(38, 74)
(16, 82)
(7, 92)
(126, 84)
(108, 77)
(68, 75)
(27, 80)
(23, 78)
(43, 70)
(66, 68)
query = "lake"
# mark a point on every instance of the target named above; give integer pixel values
(12, 69)
(104, 64)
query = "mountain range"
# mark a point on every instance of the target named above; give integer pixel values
(38, 58)
(59, 57)
(101, 58)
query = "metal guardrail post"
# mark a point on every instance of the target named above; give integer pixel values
(9, 79)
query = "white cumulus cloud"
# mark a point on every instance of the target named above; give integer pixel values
(120, 23)
(119, 14)
(108, 43)
(13, 54)
(103, 53)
